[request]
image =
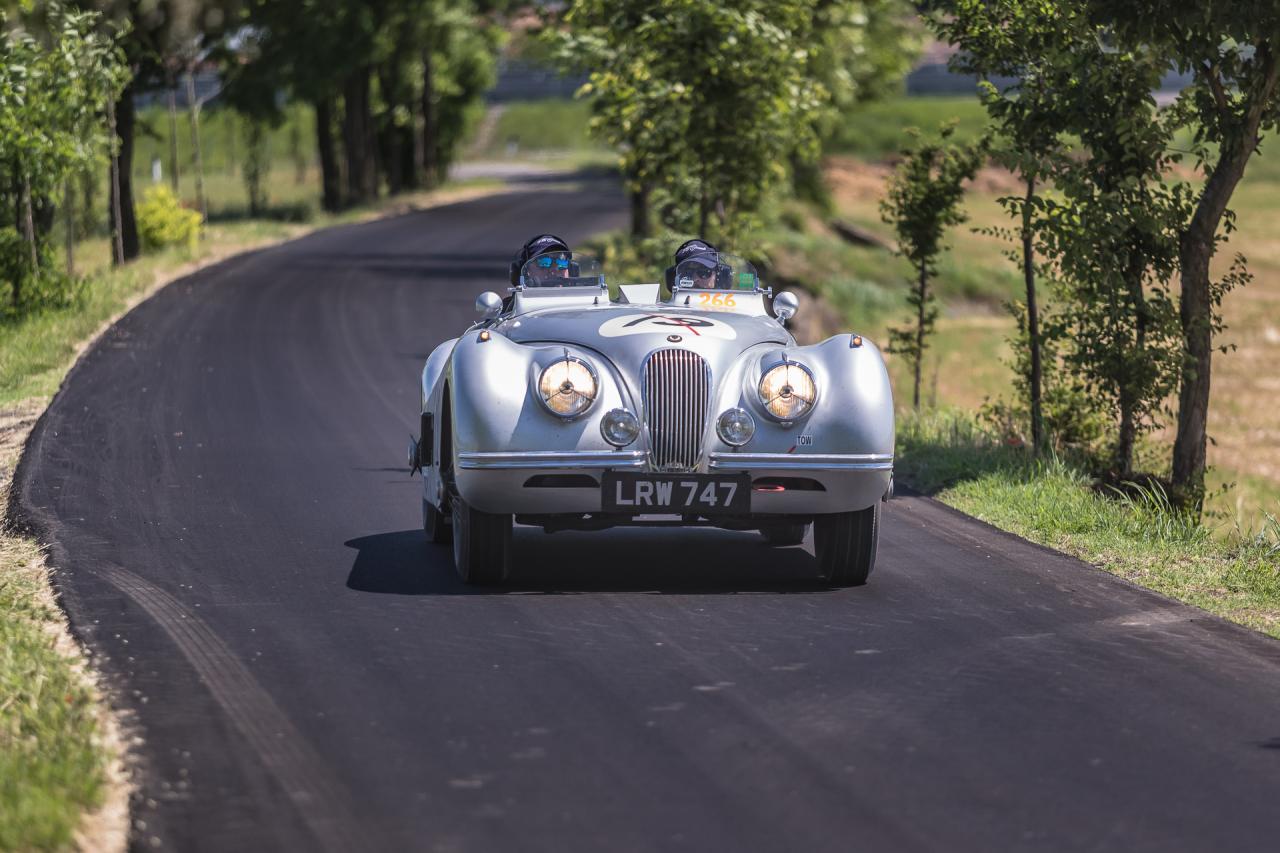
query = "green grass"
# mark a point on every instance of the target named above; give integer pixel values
(290, 153)
(52, 762)
(877, 130)
(1228, 572)
(538, 128)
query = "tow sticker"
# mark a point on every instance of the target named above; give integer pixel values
(665, 324)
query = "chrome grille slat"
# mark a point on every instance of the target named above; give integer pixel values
(677, 385)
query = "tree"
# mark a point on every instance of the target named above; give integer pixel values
(1022, 40)
(1110, 229)
(156, 33)
(923, 200)
(862, 50)
(395, 79)
(1233, 52)
(707, 102)
(52, 91)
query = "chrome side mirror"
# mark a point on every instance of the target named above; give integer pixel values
(785, 305)
(489, 304)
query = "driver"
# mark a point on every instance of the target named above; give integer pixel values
(697, 264)
(553, 261)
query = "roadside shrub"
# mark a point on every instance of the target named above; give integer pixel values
(163, 221)
(15, 263)
(50, 288)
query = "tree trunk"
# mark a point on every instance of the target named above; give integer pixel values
(29, 225)
(173, 134)
(330, 179)
(1123, 462)
(430, 124)
(201, 202)
(359, 139)
(921, 309)
(125, 224)
(1195, 252)
(390, 139)
(69, 219)
(1033, 319)
(406, 150)
(641, 226)
(1128, 437)
(418, 146)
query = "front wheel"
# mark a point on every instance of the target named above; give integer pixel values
(481, 544)
(845, 545)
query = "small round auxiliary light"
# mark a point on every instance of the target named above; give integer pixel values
(484, 336)
(735, 427)
(855, 341)
(619, 427)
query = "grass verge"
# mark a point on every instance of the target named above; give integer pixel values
(62, 782)
(1138, 536)
(61, 777)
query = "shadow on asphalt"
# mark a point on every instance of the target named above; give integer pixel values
(697, 561)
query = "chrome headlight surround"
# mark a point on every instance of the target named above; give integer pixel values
(619, 427)
(787, 391)
(568, 387)
(735, 427)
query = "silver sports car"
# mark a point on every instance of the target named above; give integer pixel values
(569, 410)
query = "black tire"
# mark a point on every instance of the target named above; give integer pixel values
(782, 535)
(436, 524)
(481, 544)
(845, 545)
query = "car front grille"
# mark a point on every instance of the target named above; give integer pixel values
(677, 383)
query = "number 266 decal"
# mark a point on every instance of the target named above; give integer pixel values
(716, 300)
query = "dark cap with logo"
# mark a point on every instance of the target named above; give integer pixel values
(542, 244)
(693, 249)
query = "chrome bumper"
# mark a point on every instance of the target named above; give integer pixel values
(564, 459)
(804, 461)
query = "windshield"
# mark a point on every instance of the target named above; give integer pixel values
(715, 271)
(561, 269)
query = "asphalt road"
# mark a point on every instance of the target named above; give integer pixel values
(238, 542)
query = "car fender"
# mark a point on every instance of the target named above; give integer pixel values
(494, 407)
(853, 411)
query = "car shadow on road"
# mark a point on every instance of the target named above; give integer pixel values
(686, 561)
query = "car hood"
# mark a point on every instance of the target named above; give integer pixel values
(627, 334)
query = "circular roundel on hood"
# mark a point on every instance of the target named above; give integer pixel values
(691, 325)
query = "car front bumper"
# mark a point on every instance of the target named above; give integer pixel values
(555, 482)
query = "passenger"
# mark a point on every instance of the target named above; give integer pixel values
(697, 264)
(554, 262)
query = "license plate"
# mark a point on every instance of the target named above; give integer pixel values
(705, 494)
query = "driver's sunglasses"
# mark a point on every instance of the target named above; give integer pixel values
(702, 273)
(546, 262)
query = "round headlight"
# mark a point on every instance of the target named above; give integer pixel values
(568, 387)
(735, 427)
(619, 427)
(787, 391)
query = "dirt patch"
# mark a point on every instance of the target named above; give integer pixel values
(853, 180)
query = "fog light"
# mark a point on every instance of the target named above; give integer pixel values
(619, 427)
(735, 427)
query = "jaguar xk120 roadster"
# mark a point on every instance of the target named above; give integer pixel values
(569, 410)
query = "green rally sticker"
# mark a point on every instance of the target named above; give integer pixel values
(746, 279)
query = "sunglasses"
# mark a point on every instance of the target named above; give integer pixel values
(546, 262)
(702, 273)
